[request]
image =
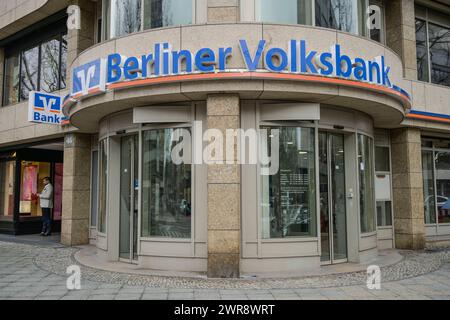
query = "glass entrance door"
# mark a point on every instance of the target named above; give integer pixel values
(333, 221)
(129, 185)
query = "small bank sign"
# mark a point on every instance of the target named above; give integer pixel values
(44, 108)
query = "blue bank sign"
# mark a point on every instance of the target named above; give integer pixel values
(44, 108)
(98, 75)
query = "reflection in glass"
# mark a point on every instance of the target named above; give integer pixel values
(32, 174)
(11, 80)
(429, 200)
(366, 183)
(345, 15)
(422, 50)
(288, 197)
(324, 198)
(439, 41)
(337, 173)
(129, 187)
(7, 184)
(125, 17)
(375, 33)
(166, 188)
(63, 61)
(332, 197)
(382, 159)
(50, 66)
(94, 190)
(292, 11)
(443, 186)
(103, 170)
(163, 13)
(57, 187)
(29, 72)
(384, 213)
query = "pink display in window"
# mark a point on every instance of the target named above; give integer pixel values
(29, 183)
(57, 187)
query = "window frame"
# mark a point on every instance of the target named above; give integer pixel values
(249, 12)
(434, 150)
(316, 216)
(106, 19)
(162, 126)
(102, 223)
(380, 4)
(19, 46)
(389, 173)
(428, 16)
(371, 157)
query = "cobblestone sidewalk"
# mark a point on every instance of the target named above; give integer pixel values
(38, 272)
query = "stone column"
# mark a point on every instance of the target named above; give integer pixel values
(409, 222)
(401, 34)
(76, 189)
(224, 194)
(223, 11)
(79, 40)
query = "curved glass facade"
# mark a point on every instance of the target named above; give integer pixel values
(344, 15)
(123, 17)
(288, 196)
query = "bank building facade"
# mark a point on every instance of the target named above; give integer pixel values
(350, 99)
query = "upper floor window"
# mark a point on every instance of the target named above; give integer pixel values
(127, 16)
(345, 15)
(377, 18)
(35, 63)
(432, 47)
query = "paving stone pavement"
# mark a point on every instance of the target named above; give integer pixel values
(24, 277)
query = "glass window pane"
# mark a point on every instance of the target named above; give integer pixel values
(32, 174)
(377, 34)
(439, 41)
(166, 188)
(366, 183)
(384, 214)
(29, 72)
(291, 12)
(441, 143)
(102, 185)
(58, 187)
(443, 186)
(382, 162)
(11, 80)
(421, 50)
(289, 195)
(49, 81)
(345, 15)
(427, 143)
(7, 184)
(125, 17)
(63, 62)
(435, 142)
(94, 190)
(163, 13)
(429, 199)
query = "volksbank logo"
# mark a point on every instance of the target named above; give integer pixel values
(89, 78)
(299, 58)
(44, 108)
